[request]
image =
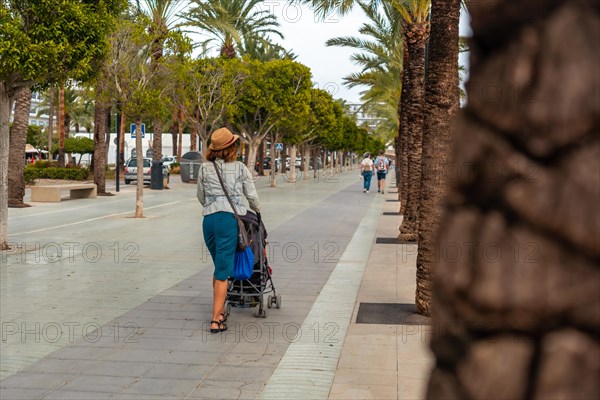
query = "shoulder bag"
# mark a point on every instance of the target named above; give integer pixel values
(243, 240)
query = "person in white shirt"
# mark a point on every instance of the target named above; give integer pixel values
(366, 170)
(382, 165)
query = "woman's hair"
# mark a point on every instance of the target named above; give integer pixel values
(229, 154)
(381, 152)
(367, 155)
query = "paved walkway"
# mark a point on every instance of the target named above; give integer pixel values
(104, 306)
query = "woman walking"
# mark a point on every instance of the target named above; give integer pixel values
(219, 226)
(366, 170)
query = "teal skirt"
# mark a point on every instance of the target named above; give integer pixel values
(220, 235)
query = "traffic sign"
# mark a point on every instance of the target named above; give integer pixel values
(133, 131)
(278, 146)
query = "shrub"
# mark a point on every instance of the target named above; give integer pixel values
(44, 164)
(32, 173)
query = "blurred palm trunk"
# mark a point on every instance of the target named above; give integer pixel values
(18, 141)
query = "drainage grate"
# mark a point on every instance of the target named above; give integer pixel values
(391, 240)
(393, 201)
(391, 213)
(390, 314)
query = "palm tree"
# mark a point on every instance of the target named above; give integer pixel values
(82, 112)
(441, 104)
(416, 33)
(261, 49)
(381, 61)
(18, 139)
(71, 96)
(231, 23)
(163, 16)
(51, 105)
(415, 14)
(67, 97)
(324, 7)
(528, 179)
(100, 129)
(61, 124)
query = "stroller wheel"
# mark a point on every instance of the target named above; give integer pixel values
(269, 301)
(227, 308)
(278, 301)
(260, 313)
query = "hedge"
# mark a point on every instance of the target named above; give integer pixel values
(75, 174)
(44, 164)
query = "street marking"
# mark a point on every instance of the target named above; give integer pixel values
(93, 219)
(64, 210)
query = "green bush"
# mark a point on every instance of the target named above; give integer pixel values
(45, 164)
(75, 174)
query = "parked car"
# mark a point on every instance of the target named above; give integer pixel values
(298, 162)
(168, 160)
(267, 164)
(131, 170)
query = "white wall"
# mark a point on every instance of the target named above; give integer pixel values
(167, 145)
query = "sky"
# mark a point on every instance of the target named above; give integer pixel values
(306, 35)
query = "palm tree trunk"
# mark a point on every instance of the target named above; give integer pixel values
(522, 211)
(413, 127)
(441, 105)
(108, 129)
(100, 143)
(18, 140)
(61, 125)
(5, 110)
(139, 192)
(122, 139)
(50, 120)
(404, 133)
(397, 164)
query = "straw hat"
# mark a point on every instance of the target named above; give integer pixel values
(221, 139)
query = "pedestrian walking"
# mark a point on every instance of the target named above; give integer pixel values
(366, 170)
(382, 165)
(219, 225)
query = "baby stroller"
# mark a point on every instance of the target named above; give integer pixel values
(249, 292)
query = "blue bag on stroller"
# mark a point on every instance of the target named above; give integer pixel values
(244, 264)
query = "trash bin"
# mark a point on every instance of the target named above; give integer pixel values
(156, 175)
(189, 165)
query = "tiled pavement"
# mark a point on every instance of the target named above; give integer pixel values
(159, 347)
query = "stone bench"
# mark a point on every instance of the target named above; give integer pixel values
(51, 193)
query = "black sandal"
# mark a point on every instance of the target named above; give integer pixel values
(222, 327)
(224, 317)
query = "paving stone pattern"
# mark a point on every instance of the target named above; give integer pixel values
(162, 348)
